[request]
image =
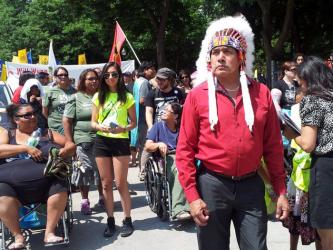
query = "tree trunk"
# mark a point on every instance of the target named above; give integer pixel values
(274, 52)
(159, 25)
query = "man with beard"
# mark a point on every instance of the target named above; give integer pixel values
(165, 93)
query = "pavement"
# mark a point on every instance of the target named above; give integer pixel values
(150, 232)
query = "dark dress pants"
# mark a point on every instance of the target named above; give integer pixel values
(240, 201)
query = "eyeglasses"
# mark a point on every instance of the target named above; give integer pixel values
(184, 77)
(109, 75)
(92, 79)
(27, 116)
(62, 75)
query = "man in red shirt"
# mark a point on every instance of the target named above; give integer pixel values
(229, 132)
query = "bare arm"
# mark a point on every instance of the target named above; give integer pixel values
(68, 128)
(45, 112)
(152, 146)
(8, 150)
(68, 147)
(149, 117)
(94, 121)
(307, 139)
(132, 116)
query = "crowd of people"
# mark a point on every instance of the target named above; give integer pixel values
(214, 137)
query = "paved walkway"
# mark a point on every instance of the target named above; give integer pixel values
(150, 232)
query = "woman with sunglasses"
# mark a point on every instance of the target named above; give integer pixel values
(22, 179)
(287, 85)
(55, 99)
(112, 106)
(284, 92)
(185, 81)
(76, 120)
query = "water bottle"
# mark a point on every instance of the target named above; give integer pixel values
(33, 140)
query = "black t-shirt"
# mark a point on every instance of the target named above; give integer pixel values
(158, 100)
(288, 97)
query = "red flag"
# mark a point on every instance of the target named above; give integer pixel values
(118, 41)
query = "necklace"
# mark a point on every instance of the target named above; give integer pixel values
(232, 89)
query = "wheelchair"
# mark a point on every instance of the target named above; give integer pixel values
(158, 193)
(64, 226)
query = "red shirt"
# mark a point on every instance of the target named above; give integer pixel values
(17, 94)
(231, 149)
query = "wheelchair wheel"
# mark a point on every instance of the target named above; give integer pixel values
(163, 208)
(151, 183)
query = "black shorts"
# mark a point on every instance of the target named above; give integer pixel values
(24, 180)
(109, 147)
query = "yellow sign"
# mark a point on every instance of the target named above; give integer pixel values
(4, 73)
(82, 59)
(43, 59)
(16, 59)
(22, 56)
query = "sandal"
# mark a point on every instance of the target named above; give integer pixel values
(18, 245)
(53, 241)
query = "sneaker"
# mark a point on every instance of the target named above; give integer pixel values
(183, 215)
(100, 204)
(127, 228)
(110, 228)
(85, 207)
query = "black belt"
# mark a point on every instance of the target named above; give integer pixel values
(233, 178)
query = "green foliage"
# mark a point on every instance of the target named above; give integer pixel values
(87, 26)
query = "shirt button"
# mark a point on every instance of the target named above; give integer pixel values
(240, 140)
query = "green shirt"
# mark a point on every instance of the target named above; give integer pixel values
(78, 108)
(55, 100)
(118, 112)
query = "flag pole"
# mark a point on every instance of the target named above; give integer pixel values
(133, 50)
(130, 46)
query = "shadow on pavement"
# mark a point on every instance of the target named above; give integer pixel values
(155, 223)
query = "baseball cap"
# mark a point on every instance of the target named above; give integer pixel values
(165, 73)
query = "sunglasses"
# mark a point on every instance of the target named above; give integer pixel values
(62, 76)
(27, 116)
(109, 75)
(92, 79)
(184, 77)
(293, 70)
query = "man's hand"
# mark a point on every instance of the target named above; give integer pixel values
(282, 207)
(199, 212)
(163, 148)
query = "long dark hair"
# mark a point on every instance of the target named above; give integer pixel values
(81, 85)
(104, 89)
(318, 77)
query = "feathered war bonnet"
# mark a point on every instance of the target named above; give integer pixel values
(237, 33)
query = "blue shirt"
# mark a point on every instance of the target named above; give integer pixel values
(161, 133)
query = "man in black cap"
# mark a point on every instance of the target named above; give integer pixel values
(165, 93)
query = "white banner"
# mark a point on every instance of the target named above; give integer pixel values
(15, 69)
